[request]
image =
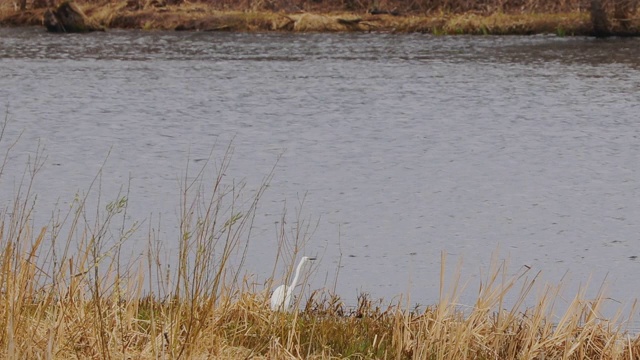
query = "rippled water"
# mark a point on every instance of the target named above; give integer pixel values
(405, 145)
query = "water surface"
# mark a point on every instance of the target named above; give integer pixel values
(403, 146)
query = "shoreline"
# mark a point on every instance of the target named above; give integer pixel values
(201, 17)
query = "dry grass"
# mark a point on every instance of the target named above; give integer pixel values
(65, 292)
(502, 24)
(438, 17)
(396, 6)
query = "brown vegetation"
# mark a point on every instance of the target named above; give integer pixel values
(614, 17)
(398, 7)
(577, 17)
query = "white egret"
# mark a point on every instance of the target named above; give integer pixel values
(281, 297)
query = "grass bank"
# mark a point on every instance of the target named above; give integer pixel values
(157, 14)
(66, 292)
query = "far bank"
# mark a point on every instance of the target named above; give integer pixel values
(178, 15)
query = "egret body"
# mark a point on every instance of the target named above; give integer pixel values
(282, 295)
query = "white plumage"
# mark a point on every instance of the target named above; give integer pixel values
(282, 295)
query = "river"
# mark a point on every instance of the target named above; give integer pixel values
(402, 146)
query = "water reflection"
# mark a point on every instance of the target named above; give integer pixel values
(139, 46)
(574, 51)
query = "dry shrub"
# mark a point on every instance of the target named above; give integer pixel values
(404, 7)
(105, 14)
(22, 18)
(623, 10)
